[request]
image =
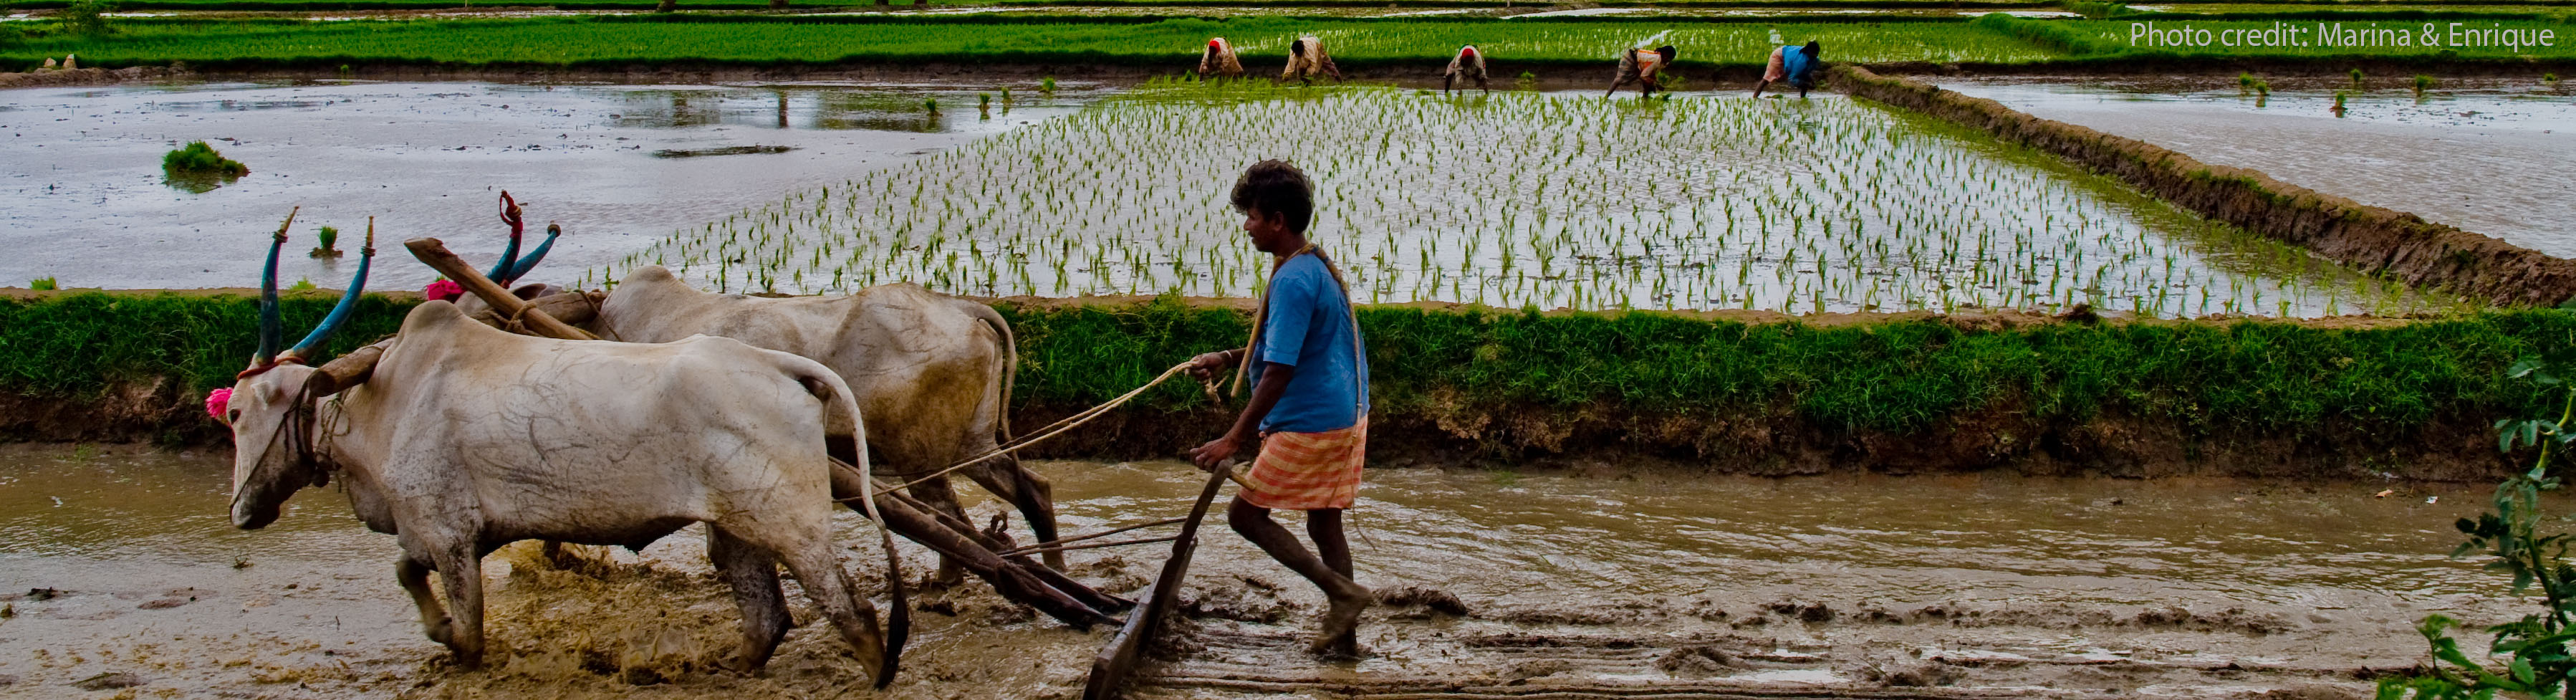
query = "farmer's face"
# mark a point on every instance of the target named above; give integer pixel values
(1269, 232)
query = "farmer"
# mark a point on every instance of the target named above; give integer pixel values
(1307, 60)
(1642, 67)
(1308, 418)
(1469, 64)
(1219, 60)
(1795, 64)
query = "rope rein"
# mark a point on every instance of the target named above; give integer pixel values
(1057, 428)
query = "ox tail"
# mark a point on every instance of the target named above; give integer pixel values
(840, 404)
(1010, 363)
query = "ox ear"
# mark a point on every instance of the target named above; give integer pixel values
(348, 301)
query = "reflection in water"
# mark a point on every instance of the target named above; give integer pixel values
(830, 109)
(2482, 155)
(82, 168)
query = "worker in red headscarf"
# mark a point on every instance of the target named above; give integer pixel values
(1219, 60)
(1469, 64)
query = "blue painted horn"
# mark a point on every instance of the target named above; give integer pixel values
(269, 332)
(348, 301)
(525, 264)
(509, 215)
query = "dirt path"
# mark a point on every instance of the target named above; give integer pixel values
(1605, 583)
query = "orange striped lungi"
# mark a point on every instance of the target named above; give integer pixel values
(1308, 471)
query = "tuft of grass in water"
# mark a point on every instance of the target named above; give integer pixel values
(42, 284)
(197, 167)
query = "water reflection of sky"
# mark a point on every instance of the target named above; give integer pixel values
(80, 172)
(2484, 155)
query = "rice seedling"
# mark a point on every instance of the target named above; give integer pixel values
(1521, 199)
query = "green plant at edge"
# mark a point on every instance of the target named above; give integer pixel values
(43, 284)
(2356, 78)
(1528, 82)
(2423, 83)
(2540, 661)
(1047, 85)
(301, 284)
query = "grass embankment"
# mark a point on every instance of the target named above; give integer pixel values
(622, 42)
(1896, 393)
(607, 42)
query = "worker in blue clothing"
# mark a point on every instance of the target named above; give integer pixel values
(1795, 65)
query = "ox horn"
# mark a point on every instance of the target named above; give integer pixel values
(521, 268)
(509, 215)
(348, 301)
(269, 332)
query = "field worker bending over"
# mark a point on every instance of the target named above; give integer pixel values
(1469, 64)
(1795, 64)
(1309, 409)
(1642, 67)
(1219, 60)
(1306, 60)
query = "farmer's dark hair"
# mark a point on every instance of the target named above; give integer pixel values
(1275, 187)
(1297, 48)
(1813, 49)
(1667, 51)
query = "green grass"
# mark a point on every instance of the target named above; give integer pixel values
(612, 42)
(2241, 378)
(1175, 42)
(2235, 378)
(77, 344)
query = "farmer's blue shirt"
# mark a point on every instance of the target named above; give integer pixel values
(1793, 59)
(1309, 328)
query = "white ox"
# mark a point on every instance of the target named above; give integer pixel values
(466, 438)
(932, 373)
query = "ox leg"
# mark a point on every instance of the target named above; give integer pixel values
(816, 569)
(753, 575)
(1033, 494)
(940, 495)
(413, 574)
(461, 573)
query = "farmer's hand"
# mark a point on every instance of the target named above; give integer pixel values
(1207, 366)
(1216, 451)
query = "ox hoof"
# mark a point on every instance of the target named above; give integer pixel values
(442, 631)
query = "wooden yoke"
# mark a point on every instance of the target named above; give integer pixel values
(510, 308)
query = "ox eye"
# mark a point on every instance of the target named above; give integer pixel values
(233, 417)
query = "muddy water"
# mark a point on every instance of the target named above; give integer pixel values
(2487, 155)
(1601, 582)
(83, 198)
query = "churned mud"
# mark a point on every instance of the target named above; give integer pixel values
(118, 570)
(86, 201)
(2482, 154)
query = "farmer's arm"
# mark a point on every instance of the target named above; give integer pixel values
(1274, 383)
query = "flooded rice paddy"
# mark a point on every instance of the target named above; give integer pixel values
(1554, 200)
(87, 202)
(2484, 155)
(1598, 582)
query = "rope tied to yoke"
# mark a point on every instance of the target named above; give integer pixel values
(1053, 429)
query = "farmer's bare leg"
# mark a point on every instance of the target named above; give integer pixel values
(1324, 527)
(1757, 88)
(1346, 597)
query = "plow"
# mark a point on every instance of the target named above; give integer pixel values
(1012, 569)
